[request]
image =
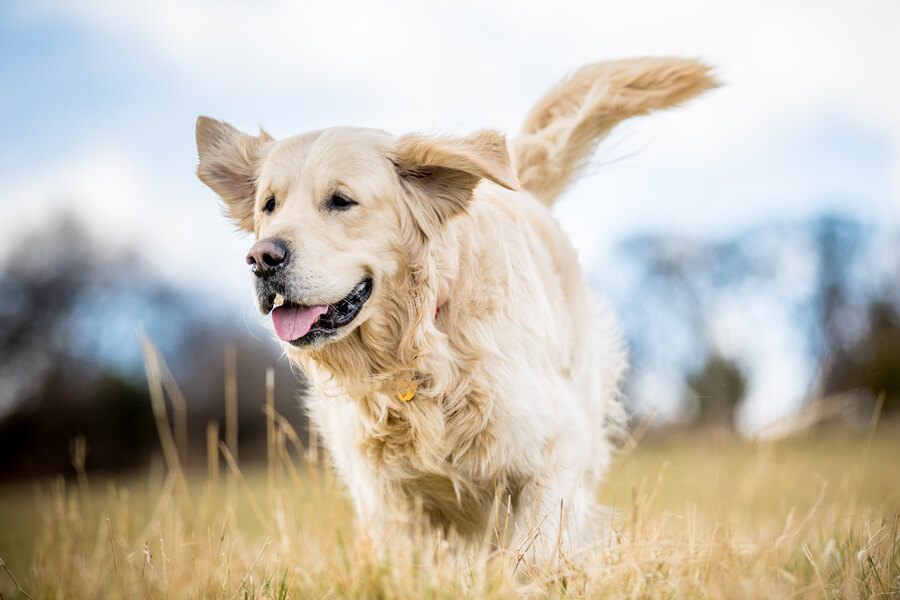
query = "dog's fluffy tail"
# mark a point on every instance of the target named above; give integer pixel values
(565, 126)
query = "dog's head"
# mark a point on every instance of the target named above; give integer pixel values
(343, 218)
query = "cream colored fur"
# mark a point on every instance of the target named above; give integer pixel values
(519, 375)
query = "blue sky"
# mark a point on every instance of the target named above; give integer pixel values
(99, 101)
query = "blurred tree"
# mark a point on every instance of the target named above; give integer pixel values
(70, 363)
(871, 366)
(717, 391)
(825, 274)
(681, 282)
(856, 331)
(836, 301)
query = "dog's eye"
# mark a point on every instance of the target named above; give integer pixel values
(339, 201)
(269, 205)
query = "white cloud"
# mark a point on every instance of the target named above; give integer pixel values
(772, 55)
(411, 66)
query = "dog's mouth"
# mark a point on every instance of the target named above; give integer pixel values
(302, 325)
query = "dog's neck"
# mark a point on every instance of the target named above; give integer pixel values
(394, 350)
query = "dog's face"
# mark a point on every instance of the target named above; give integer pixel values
(340, 214)
(324, 200)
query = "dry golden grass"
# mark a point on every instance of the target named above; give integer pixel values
(696, 516)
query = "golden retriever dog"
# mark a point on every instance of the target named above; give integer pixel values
(457, 356)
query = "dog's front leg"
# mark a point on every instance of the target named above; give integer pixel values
(385, 515)
(554, 518)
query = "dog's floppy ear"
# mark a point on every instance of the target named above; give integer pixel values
(442, 172)
(229, 164)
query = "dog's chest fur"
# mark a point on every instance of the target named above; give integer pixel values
(439, 452)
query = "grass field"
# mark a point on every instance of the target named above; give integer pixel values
(694, 516)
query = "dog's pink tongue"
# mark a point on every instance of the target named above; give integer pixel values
(293, 322)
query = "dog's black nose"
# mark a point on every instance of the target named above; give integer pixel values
(265, 256)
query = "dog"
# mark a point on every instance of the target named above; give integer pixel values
(438, 310)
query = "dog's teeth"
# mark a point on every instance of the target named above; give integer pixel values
(279, 300)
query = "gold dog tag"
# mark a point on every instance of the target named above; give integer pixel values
(407, 391)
